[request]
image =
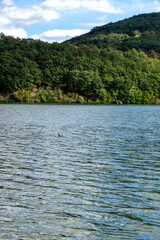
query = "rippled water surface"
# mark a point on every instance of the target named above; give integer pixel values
(79, 172)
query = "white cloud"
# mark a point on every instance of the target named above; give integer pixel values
(6, 24)
(101, 6)
(4, 21)
(8, 2)
(15, 32)
(157, 8)
(95, 5)
(58, 35)
(96, 24)
(60, 4)
(46, 11)
(102, 18)
(12, 18)
(157, 3)
(24, 17)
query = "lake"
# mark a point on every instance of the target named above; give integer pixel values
(79, 172)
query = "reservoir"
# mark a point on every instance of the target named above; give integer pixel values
(79, 172)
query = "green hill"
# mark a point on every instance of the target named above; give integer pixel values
(139, 32)
(117, 63)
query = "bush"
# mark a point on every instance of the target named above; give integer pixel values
(80, 99)
(3, 101)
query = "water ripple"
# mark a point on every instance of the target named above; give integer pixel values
(79, 172)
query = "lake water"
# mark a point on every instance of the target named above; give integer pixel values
(100, 179)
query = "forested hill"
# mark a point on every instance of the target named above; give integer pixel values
(114, 64)
(139, 32)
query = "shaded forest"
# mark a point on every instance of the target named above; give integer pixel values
(117, 63)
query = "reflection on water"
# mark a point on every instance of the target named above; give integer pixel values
(100, 179)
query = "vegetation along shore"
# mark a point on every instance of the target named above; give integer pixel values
(118, 63)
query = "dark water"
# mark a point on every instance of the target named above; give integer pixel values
(99, 180)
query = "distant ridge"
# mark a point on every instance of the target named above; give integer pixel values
(140, 32)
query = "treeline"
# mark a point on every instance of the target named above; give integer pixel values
(36, 71)
(142, 23)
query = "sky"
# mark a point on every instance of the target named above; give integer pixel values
(59, 20)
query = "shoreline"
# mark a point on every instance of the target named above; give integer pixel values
(84, 104)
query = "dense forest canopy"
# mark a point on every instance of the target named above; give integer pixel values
(116, 63)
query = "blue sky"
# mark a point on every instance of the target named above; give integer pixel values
(58, 20)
